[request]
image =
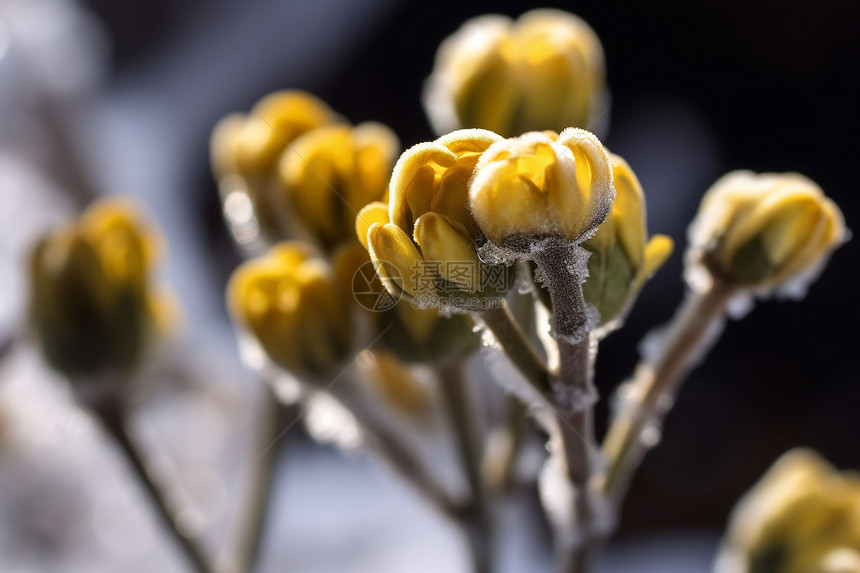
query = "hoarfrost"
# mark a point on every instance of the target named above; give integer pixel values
(509, 378)
(329, 422)
(653, 343)
(574, 399)
(651, 434)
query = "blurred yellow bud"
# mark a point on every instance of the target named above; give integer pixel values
(292, 303)
(244, 152)
(542, 185)
(544, 71)
(273, 123)
(764, 230)
(622, 257)
(802, 517)
(93, 308)
(332, 172)
(424, 244)
(398, 383)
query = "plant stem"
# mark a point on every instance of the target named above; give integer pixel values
(656, 381)
(575, 395)
(582, 457)
(274, 417)
(516, 426)
(518, 348)
(110, 409)
(388, 443)
(70, 166)
(463, 415)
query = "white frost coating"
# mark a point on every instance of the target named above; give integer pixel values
(329, 422)
(740, 305)
(625, 401)
(556, 493)
(653, 343)
(570, 259)
(729, 561)
(592, 319)
(287, 388)
(651, 434)
(696, 275)
(558, 497)
(512, 381)
(572, 398)
(576, 263)
(523, 280)
(544, 334)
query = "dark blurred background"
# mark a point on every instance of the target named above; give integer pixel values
(698, 89)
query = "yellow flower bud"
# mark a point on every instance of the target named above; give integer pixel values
(396, 382)
(292, 303)
(764, 230)
(542, 185)
(332, 172)
(244, 150)
(423, 335)
(413, 334)
(544, 71)
(426, 240)
(273, 123)
(92, 308)
(622, 257)
(802, 517)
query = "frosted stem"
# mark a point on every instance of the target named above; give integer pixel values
(385, 441)
(560, 267)
(517, 347)
(275, 417)
(464, 417)
(110, 409)
(657, 380)
(516, 426)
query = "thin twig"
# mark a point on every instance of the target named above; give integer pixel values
(463, 415)
(516, 426)
(274, 416)
(110, 410)
(380, 437)
(517, 347)
(656, 382)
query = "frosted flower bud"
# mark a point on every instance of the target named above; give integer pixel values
(622, 256)
(251, 144)
(542, 185)
(803, 516)
(424, 245)
(397, 383)
(764, 230)
(334, 171)
(544, 71)
(244, 150)
(292, 303)
(93, 308)
(411, 334)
